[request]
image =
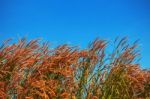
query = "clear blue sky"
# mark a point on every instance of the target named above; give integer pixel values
(77, 22)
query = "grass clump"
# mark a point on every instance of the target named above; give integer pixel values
(29, 70)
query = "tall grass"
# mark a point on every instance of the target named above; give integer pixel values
(29, 70)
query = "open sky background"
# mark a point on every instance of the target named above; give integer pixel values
(77, 22)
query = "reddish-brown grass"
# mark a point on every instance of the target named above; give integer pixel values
(29, 70)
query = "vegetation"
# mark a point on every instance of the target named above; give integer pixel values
(29, 70)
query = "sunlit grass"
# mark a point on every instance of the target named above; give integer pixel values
(29, 70)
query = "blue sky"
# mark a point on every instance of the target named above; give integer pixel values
(77, 22)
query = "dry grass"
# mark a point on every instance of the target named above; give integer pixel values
(31, 71)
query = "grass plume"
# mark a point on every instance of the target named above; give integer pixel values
(29, 70)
